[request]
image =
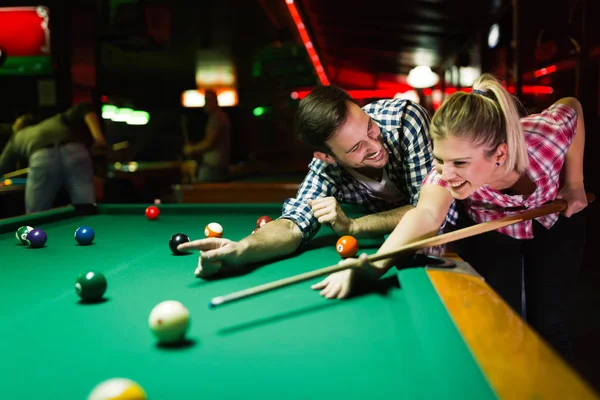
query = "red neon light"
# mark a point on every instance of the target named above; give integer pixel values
(537, 89)
(545, 71)
(314, 57)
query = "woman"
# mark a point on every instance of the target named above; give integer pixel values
(493, 163)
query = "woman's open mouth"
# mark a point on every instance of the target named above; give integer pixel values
(457, 185)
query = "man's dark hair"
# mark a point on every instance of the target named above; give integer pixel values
(320, 115)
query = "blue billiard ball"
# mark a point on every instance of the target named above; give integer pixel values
(37, 238)
(84, 235)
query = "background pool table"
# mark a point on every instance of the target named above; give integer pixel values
(403, 337)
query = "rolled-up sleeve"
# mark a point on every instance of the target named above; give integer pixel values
(298, 210)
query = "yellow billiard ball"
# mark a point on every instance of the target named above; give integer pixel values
(118, 389)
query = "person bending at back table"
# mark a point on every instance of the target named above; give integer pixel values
(492, 164)
(56, 151)
(374, 157)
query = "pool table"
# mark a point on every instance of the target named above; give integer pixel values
(424, 331)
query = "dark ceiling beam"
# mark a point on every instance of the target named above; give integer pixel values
(434, 32)
(397, 43)
(455, 10)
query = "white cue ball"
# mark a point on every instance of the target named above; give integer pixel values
(169, 321)
(118, 388)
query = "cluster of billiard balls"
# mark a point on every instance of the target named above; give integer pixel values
(37, 238)
(213, 229)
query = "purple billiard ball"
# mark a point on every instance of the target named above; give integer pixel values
(37, 238)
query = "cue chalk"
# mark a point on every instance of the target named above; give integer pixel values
(548, 208)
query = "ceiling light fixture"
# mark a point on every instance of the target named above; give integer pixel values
(494, 36)
(422, 77)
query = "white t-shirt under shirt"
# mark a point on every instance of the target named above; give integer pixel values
(384, 189)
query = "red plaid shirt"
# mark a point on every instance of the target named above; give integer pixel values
(548, 136)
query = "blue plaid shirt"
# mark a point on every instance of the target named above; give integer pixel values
(405, 134)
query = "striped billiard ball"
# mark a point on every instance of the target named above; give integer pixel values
(21, 234)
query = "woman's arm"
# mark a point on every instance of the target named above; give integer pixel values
(573, 190)
(422, 222)
(574, 157)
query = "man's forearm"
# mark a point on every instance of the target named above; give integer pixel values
(93, 123)
(378, 224)
(276, 239)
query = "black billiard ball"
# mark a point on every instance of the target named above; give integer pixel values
(176, 240)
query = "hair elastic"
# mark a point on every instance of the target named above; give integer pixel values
(477, 91)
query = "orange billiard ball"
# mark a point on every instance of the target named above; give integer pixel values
(152, 212)
(347, 246)
(262, 221)
(213, 229)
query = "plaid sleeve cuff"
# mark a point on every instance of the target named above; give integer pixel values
(299, 212)
(297, 209)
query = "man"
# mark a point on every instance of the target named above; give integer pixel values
(56, 152)
(374, 157)
(215, 148)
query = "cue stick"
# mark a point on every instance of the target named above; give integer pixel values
(22, 171)
(549, 208)
(25, 171)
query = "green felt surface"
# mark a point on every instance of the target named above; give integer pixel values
(395, 340)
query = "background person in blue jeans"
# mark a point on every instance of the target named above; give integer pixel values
(56, 150)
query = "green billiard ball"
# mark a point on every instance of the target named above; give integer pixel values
(90, 286)
(21, 234)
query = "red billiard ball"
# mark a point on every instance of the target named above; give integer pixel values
(347, 246)
(152, 212)
(262, 221)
